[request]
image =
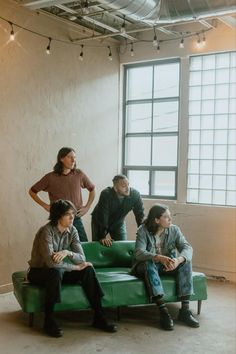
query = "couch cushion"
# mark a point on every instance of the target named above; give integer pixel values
(119, 255)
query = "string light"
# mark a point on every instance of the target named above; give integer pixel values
(132, 50)
(12, 34)
(123, 29)
(110, 53)
(48, 50)
(81, 56)
(154, 42)
(203, 40)
(199, 44)
(181, 45)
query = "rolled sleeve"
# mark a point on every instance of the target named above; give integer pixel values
(86, 183)
(184, 248)
(41, 185)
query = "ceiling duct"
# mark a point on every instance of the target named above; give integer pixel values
(170, 11)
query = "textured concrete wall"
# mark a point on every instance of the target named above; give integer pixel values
(46, 102)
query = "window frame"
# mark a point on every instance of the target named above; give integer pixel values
(212, 174)
(151, 169)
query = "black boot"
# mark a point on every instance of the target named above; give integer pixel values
(51, 327)
(186, 316)
(100, 321)
(166, 320)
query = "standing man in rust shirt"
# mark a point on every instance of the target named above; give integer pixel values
(66, 182)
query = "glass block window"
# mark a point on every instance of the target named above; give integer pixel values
(151, 114)
(212, 130)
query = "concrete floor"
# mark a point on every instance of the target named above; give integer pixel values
(139, 330)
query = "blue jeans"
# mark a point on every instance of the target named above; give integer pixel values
(150, 272)
(80, 228)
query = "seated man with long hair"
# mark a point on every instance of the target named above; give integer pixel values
(161, 248)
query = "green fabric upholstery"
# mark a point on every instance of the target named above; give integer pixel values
(112, 267)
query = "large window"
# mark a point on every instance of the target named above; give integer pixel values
(212, 130)
(151, 110)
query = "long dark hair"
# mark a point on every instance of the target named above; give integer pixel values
(155, 212)
(58, 168)
(58, 209)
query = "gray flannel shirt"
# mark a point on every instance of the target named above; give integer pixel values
(48, 240)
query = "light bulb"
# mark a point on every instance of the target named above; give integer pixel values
(123, 29)
(154, 42)
(181, 45)
(199, 44)
(48, 49)
(12, 35)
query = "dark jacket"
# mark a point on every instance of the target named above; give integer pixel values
(110, 211)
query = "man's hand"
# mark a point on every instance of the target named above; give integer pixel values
(82, 211)
(57, 257)
(83, 265)
(169, 263)
(177, 262)
(106, 241)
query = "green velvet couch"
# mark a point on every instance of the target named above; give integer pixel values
(112, 267)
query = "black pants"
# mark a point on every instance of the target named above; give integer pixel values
(52, 278)
(117, 232)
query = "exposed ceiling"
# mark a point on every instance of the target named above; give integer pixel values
(125, 20)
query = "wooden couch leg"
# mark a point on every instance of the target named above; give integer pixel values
(31, 319)
(118, 313)
(199, 305)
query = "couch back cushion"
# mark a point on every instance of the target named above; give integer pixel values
(120, 254)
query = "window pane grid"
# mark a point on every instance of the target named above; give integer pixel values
(151, 113)
(212, 134)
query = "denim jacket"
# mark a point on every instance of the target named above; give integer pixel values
(173, 243)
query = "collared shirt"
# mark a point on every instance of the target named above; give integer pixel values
(49, 240)
(111, 211)
(172, 242)
(66, 187)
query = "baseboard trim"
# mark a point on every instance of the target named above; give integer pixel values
(6, 288)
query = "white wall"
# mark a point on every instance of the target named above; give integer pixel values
(210, 229)
(46, 102)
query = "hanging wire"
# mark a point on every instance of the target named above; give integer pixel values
(183, 36)
(154, 42)
(123, 29)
